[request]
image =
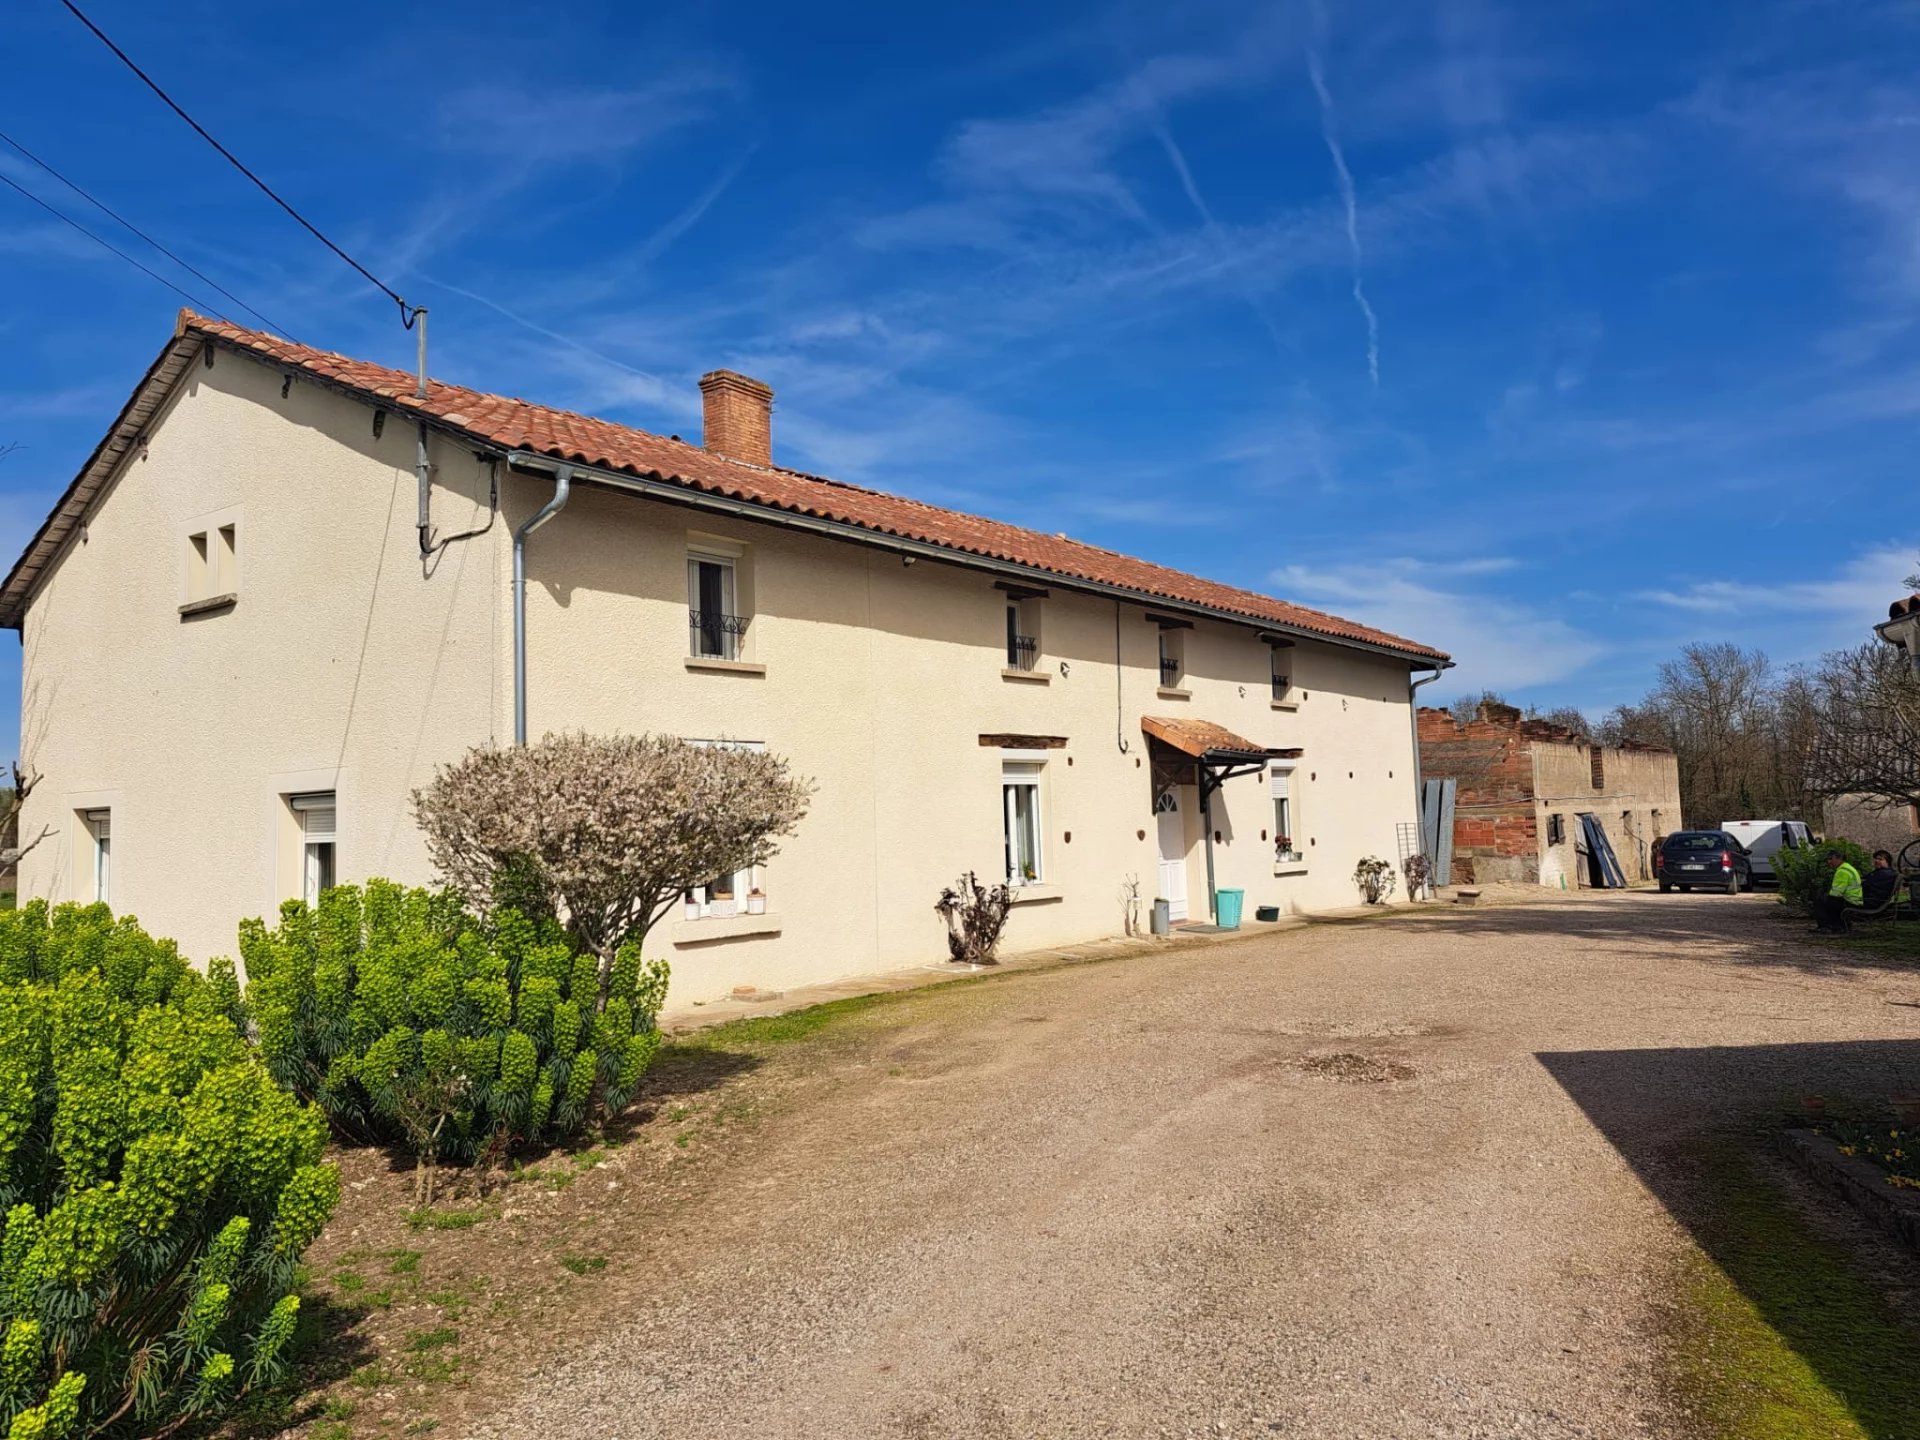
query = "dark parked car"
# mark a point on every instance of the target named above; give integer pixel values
(1703, 859)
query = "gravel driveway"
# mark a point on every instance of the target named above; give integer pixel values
(1378, 1179)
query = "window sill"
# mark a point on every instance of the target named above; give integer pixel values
(1290, 867)
(1174, 692)
(1037, 894)
(209, 605)
(723, 927)
(1286, 704)
(715, 665)
(1030, 677)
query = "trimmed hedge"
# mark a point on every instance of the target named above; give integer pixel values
(159, 1188)
(407, 1019)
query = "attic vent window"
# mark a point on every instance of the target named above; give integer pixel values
(211, 568)
(1597, 758)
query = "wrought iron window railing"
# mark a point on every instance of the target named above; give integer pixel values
(1169, 671)
(715, 635)
(1281, 684)
(1022, 652)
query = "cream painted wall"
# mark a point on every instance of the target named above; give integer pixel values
(342, 666)
(877, 679)
(343, 662)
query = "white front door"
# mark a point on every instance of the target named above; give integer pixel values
(1173, 855)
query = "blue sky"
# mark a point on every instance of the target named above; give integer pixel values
(1556, 336)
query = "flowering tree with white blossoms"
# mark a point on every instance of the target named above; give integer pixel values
(609, 831)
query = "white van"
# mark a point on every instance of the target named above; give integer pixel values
(1763, 837)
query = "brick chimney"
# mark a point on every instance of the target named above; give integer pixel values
(738, 416)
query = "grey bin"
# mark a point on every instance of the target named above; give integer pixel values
(1162, 917)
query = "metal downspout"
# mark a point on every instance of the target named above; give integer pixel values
(1206, 835)
(562, 483)
(422, 466)
(1419, 780)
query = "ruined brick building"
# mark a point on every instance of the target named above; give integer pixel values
(1523, 784)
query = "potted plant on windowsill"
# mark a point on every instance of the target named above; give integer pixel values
(756, 901)
(1028, 874)
(1283, 851)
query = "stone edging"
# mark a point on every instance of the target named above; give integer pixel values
(1859, 1182)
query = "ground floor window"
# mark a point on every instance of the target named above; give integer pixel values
(100, 834)
(1020, 807)
(740, 893)
(1285, 842)
(317, 814)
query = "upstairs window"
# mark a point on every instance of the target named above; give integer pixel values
(1023, 616)
(99, 825)
(714, 622)
(1280, 676)
(1023, 638)
(1020, 810)
(317, 815)
(1597, 763)
(1173, 666)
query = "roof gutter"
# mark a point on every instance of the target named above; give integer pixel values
(534, 462)
(562, 485)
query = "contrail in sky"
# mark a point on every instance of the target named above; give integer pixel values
(1347, 198)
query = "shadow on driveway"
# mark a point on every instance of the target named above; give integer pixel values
(1687, 1121)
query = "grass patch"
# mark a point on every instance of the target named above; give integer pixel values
(453, 1303)
(433, 1369)
(403, 1262)
(1782, 1336)
(584, 1264)
(427, 1218)
(421, 1341)
(766, 1031)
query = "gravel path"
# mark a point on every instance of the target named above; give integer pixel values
(1381, 1179)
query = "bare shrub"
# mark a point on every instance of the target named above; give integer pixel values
(1375, 878)
(606, 832)
(975, 916)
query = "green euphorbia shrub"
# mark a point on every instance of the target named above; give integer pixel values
(1804, 874)
(158, 1187)
(406, 1018)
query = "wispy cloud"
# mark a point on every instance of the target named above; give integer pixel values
(530, 126)
(1859, 590)
(1349, 198)
(1496, 642)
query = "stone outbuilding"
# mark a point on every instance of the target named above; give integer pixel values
(1522, 786)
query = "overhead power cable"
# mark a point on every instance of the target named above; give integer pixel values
(194, 301)
(108, 210)
(407, 312)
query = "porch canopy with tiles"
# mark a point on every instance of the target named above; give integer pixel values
(1201, 753)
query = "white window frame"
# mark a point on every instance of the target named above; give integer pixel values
(100, 829)
(318, 812)
(729, 567)
(1286, 813)
(700, 903)
(1022, 771)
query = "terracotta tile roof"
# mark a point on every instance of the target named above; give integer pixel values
(1197, 737)
(516, 424)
